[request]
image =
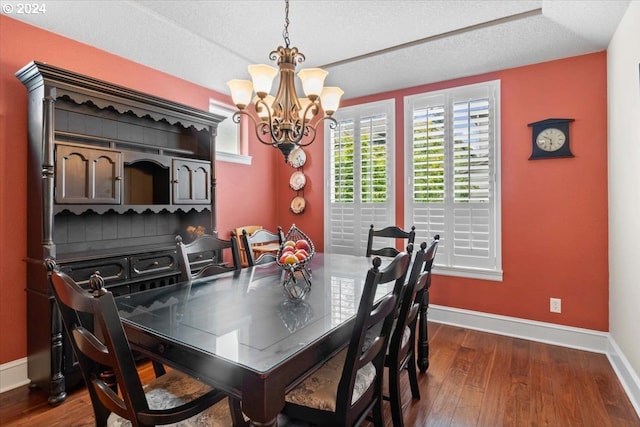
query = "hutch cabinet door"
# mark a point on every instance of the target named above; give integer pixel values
(191, 182)
(87, 175)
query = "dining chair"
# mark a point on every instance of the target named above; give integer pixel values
(205, 256)
(93, 327)
(250, 229)
(423, 333)
(262, 246)
(392, 232)
(348, 388)
(401, 352)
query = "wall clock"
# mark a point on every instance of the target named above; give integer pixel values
(550, 139)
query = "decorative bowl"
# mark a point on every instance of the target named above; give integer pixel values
(297, 277)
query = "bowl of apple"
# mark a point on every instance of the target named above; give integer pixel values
(296, 251)
(294, 257)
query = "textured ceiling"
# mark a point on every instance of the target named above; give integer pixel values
(368, 46)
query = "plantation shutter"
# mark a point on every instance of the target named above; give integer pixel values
(427, 161)
(360, 176)
(452, 139)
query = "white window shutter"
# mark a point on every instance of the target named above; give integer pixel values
(360, 176)
(452, 159)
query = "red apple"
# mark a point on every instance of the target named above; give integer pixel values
(283, 258)
(303, 244)
(301, 252)
(288, 249)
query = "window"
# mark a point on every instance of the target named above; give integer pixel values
(228, 147)
(452, 165)
(360, 176)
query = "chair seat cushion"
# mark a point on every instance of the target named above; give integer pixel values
(173, 389)
(320, 388)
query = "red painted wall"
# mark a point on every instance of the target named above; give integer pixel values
(554, 212)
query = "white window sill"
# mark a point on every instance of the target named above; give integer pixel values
(471, 273)
(233, 158)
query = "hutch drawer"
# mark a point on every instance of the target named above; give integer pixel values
(153, 263)
(113, 270)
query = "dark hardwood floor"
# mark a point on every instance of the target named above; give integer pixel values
(474, 379)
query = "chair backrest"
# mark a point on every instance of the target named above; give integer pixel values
(93, 326)
(392, 232)
(258, 238)
(204, 256)
(424, 258)
(250, 229)
(412, 295)
(365, 352)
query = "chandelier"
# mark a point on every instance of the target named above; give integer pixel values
(285, 121)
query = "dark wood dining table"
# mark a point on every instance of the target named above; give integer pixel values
(240, 332)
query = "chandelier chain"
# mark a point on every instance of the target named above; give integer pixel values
(285, 32)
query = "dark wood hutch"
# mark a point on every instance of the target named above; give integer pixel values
(113, 176)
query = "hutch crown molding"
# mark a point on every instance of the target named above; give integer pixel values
(113, 176)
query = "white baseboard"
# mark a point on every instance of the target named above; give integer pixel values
(626, 374)
(13, 374)
(550, 333)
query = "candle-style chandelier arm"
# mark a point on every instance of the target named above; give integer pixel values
(311, 130)
(257, 125)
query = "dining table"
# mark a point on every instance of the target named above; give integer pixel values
(242, 333)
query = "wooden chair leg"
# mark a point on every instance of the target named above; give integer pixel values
(395, 398)
(378, 419)
(413, 375)
(158, 368)
(423, 335)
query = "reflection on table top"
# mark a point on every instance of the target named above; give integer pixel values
(245, 317)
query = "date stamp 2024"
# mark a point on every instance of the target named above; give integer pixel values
(24, 8)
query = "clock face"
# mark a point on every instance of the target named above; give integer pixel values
(551, 139)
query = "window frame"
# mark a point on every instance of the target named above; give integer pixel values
(227, 111)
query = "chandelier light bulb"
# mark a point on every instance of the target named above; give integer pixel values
(262, 76)
(330, 99)
(240, 92)
(312, 81)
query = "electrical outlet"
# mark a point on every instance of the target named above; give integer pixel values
(555, 305)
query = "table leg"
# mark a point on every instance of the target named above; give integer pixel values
(423, 338)
(262, 400)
